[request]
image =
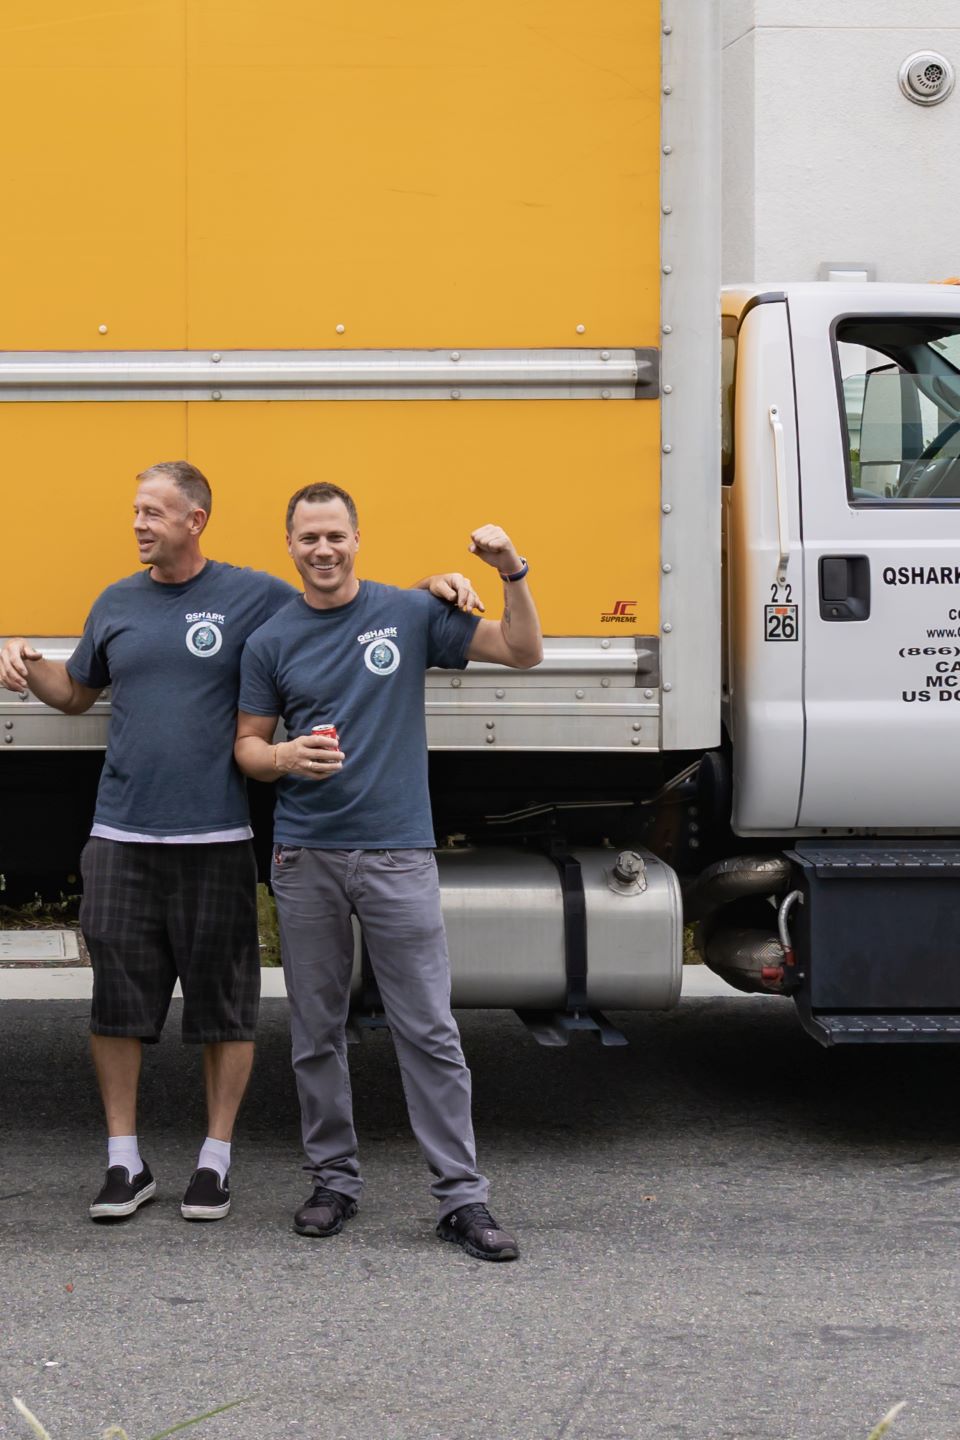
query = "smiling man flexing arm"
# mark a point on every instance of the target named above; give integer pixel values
(349, 656)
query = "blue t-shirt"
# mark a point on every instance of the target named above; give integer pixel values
(171, 655)
(360, 667)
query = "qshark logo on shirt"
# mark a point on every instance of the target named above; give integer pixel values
(204, 638)
(382, 654)
(381, 657)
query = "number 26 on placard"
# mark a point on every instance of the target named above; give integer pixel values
(780, 622)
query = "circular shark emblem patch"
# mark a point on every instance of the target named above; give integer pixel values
(204, 638)
(382, 657)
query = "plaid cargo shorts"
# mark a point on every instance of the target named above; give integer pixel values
(153, 914)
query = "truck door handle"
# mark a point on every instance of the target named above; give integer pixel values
(780, 471)
(844, 587)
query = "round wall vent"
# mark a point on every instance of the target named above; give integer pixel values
(926, 78)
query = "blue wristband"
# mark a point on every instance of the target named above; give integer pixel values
(524, 567)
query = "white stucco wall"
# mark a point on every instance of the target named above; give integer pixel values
(823, 157)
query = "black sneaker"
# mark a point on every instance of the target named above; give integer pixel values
(324, 1213)
(121, 1195)
(473, 1227)
(207, 1197)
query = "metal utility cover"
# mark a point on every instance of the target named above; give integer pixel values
(38, 947)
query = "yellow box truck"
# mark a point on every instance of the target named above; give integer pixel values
(464, 261)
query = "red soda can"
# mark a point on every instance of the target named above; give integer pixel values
(330, 730)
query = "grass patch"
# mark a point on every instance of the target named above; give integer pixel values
(37, 914)
(691, 955)
(117, 1432)
(267, 925)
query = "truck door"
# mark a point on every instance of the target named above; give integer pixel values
(762, 569)
(878, 401)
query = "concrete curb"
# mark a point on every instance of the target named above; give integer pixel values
(74, 982)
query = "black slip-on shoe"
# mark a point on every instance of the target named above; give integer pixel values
(207, 1197)
(324, 1213)
(473, 1227)
(121, 1195)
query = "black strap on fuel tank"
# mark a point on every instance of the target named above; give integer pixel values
(574, 930)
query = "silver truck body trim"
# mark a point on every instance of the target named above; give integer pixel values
(588, 694)
(138, 375)
(690, 411)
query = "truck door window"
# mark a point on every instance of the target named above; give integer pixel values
(898, 381)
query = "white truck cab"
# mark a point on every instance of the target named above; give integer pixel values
(841, 692)
(842, 520)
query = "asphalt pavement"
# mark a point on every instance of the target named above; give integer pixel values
(726, 1232)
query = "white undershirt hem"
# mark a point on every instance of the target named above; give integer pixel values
(203, 837)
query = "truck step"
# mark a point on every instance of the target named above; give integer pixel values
(912, 1028)
(878, 859)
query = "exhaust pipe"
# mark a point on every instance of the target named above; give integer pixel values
(739, 937)
(741, 877)
(744, 957)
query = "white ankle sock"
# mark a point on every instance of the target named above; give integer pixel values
(124, 1150)
(215, 1155)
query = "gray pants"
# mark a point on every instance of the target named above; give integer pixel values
(396, 897)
